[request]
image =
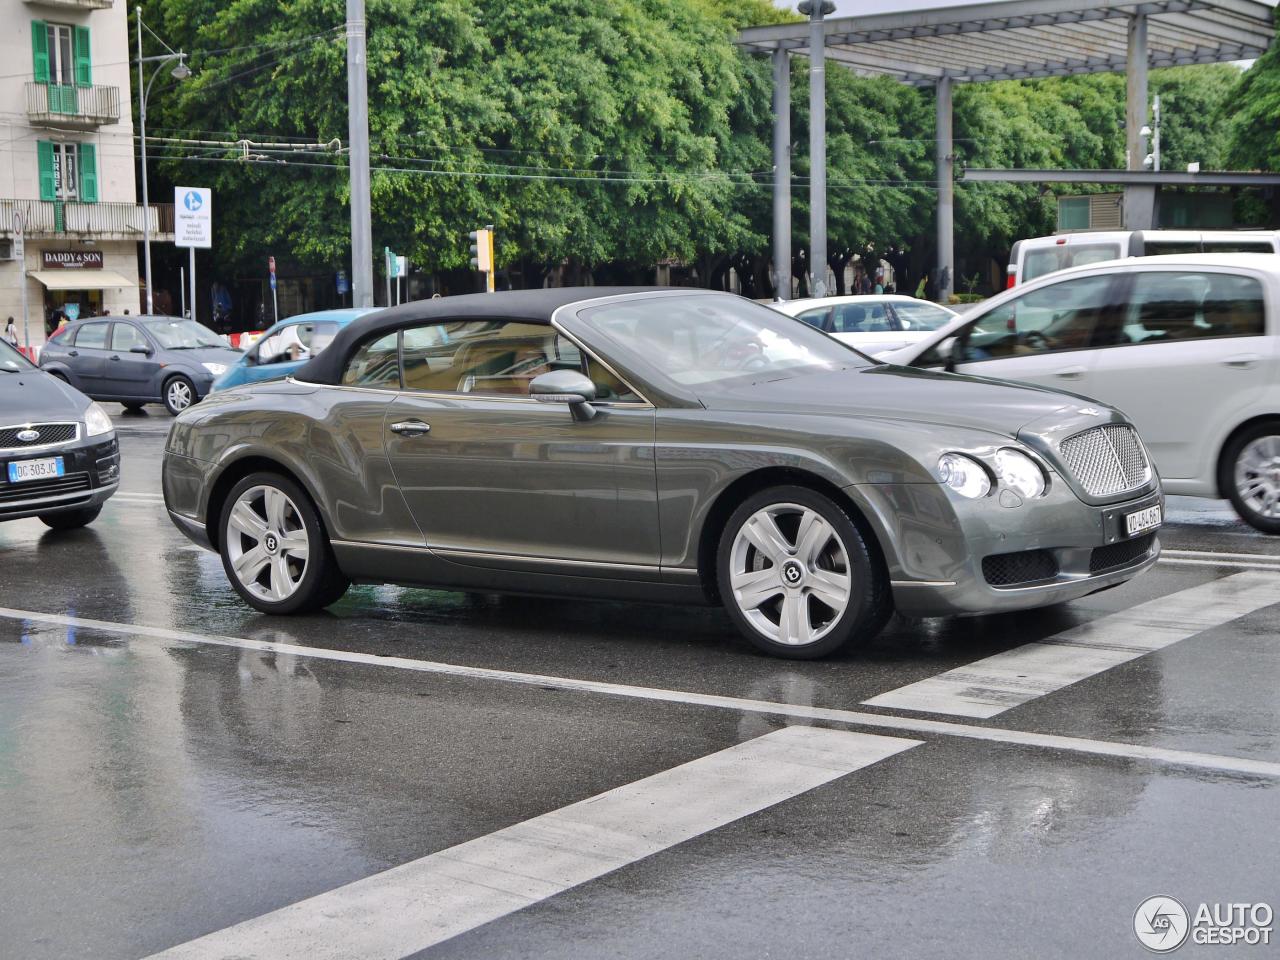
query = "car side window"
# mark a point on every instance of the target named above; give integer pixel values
(860, 318)
(286, 345)
(815, 318)
(92, 336)
(1170, 306)
(1061, 316)
(125, 336)
(375, 364)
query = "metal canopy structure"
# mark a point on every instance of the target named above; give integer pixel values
(1030, 38)
(1006, 40)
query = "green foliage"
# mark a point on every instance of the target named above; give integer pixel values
(624, 132)
(1254, 140)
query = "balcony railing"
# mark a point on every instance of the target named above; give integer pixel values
(44, 219)
(71, 107)
(74, 4)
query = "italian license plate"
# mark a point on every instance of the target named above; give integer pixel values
(1141, 521)
(36, 469)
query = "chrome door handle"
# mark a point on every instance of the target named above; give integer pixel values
(1070, 373)
(411, 428)
(1242, 362)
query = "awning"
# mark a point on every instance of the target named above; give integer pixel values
(81, 279)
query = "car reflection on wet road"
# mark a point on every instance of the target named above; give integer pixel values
(179, 773)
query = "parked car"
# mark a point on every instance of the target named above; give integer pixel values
(140, 360)
(1039, 256)
(874, 323)
(59, 459)
(677, 445)
(286, 346)
(1185, 345)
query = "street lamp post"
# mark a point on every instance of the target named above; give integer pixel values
(180, 72)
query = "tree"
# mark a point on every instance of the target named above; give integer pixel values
(587, 131)
(1254, 111)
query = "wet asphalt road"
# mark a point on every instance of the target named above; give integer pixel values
(158, 783)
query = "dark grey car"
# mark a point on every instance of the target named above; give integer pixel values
(59, 458)
(672, 445)
(140, 360)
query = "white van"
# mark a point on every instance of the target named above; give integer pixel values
(1039, 256)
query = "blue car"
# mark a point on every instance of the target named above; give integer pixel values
(287, 346)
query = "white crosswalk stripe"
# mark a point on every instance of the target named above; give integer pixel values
(998, 683)
(411, 907)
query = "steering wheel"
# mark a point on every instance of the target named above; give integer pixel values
(1035, 338)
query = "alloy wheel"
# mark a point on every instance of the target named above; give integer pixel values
(179, 395)
(790, 574)
(1257, 476)
(267, 543)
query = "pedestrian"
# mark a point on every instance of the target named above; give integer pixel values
(11, 332)
(920, 288)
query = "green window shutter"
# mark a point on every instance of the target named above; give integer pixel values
(48, 181)
(80, 46)
(88, 173)
(40, 50)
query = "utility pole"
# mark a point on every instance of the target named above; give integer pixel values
(358, 134)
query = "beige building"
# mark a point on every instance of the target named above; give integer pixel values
(67, 162)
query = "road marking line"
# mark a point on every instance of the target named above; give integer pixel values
(943, 728)
(1226, 556)
(998, 683)
(1229, 564)
(409, 908)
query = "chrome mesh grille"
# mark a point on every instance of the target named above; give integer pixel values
(46, 434)
(1107, 460)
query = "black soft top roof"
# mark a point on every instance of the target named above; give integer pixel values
(535, 306)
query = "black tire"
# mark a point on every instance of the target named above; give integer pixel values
(70, 519)
(133, 407)
(322, 582)
(1233, 474)
(869, 603)
(178, 393)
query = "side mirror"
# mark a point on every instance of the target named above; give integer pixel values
(566, 386)
(140, 349)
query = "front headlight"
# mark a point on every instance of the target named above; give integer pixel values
(964, 475)
(1020, 473)
(217, 369)
(96, 421)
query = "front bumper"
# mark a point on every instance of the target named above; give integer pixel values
(92, 475)
(993, 559)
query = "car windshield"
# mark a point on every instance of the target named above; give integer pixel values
(922, 316)
(174, 333)
(11, 361)
(704, 341)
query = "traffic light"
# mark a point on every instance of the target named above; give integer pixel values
(482, 250)
(482, 254)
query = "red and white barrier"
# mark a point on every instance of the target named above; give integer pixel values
(243, 341)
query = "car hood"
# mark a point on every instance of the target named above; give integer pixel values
(223, 355)
(33, 395)
(876, 344)
(903, 393)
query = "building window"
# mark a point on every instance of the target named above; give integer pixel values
(61, 60)
(66, 180)
(68, 171)
(61, 54)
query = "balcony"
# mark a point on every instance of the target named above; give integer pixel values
(68, 107)
(45, 220)
(73, 4)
